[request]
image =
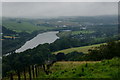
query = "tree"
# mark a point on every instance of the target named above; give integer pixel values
(60, 56)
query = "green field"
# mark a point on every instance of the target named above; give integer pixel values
(82, 69)
(24, 26)
(83, 49)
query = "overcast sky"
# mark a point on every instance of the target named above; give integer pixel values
(54, 9)
(59, 0)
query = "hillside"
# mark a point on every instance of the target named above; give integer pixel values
(88, 69)
(83, 49)
(23, 26)
(94, 65)
(81, 69)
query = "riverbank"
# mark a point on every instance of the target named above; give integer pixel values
(41, 38)
(32, 41)
(9, 46)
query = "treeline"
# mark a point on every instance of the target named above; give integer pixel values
(105, 51)
(69, 42)
(29, 61)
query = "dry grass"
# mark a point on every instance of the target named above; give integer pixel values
(76, 62)
(66, 65)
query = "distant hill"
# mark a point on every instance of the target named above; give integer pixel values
(22, 25)
(30, 25)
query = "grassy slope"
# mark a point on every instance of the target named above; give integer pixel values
(82, 69)
(24, 26)
(79, 49)
(98, 69)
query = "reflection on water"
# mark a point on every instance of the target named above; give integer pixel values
(47, 37)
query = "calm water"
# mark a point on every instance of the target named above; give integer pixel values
(47, 37)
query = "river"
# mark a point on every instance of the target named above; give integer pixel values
(47, 37)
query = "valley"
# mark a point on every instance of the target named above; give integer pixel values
(82, 50)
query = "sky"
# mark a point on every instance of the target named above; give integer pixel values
(59, 0)
(56, 9)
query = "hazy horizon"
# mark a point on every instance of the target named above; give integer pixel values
(57, 9)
